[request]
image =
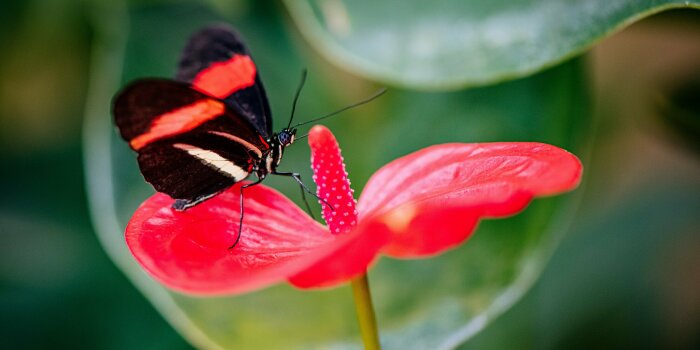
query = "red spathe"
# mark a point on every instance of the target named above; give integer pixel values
(416, 206)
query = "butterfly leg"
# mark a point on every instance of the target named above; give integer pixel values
(240, 220)
(183, 204)
(303, 196)
(306, 203)
(297, 178)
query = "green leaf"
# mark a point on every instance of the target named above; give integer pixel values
(430, 45)
(433, 303)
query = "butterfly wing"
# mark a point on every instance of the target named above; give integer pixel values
(190, 145)
(216, 61)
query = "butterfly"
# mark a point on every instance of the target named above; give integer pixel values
(210, 127)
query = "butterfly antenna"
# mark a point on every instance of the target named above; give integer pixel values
(296, 96)
(356, 104)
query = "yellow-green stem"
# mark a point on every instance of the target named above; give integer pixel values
(365, 313)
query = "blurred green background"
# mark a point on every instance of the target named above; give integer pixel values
(624, 270)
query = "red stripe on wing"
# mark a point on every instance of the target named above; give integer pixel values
(221, 79)
(178, 121)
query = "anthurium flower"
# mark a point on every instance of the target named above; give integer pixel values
(416, 206)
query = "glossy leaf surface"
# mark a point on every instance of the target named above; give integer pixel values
(448, 303)
(451, 44)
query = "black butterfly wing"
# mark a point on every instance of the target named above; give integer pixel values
(190, 145)
(218, 63)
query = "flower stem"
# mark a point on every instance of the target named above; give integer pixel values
(365, 313)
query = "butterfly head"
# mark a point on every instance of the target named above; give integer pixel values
(278, 143)
(287, 136)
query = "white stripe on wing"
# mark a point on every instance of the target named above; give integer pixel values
(215, 161)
